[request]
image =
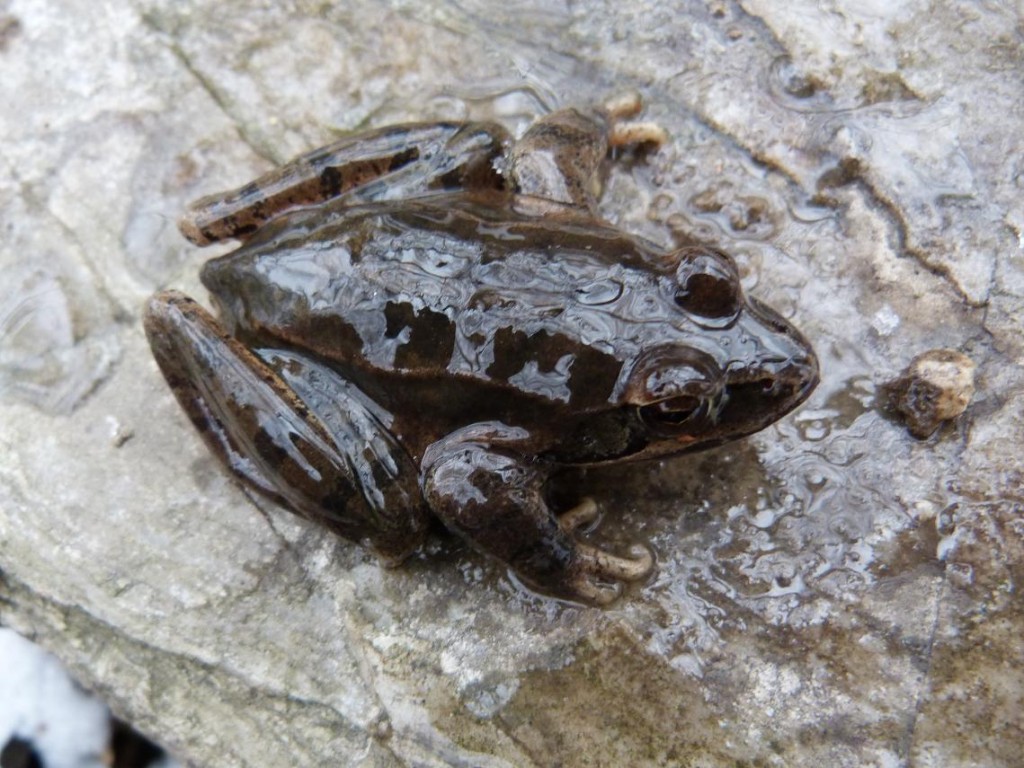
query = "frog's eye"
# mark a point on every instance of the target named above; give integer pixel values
(708, 285)
(672, 412)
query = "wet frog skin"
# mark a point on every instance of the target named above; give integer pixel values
(426, 320)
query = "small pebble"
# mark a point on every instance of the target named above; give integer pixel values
(936, 387)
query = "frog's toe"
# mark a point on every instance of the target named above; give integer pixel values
(582, 514)
(599, 578)
(606, 565)
(631, 132)
(621, 131)
(627, 104)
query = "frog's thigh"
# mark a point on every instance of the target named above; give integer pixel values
(494, 500)
(386, 163)
(291, 428)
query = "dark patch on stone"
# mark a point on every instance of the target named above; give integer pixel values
(19, 753)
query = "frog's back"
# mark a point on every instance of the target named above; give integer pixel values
(448, 288)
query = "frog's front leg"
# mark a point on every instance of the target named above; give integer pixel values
(385, 163)
(558, 159)
(475, 482)
(291, 428)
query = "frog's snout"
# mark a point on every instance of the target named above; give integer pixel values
(779, 375)
(757, 396)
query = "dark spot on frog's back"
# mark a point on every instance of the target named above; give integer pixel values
(267, 447)
(328, 334)
(592, 373)
(431, 338)
(403, 158)
(330, 182)
(593, 377)
(513, 349)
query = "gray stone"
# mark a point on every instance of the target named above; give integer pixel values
(829, 592)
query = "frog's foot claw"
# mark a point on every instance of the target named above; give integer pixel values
(622, 131)
(582, 514)
(631, 132)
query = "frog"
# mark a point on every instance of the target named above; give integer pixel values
(426, 322)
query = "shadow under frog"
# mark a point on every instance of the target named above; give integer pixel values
(426, 320)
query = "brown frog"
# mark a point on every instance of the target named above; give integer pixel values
(425, 320)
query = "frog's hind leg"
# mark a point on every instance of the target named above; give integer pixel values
(477, 485)
(386, 163)
(290, 428)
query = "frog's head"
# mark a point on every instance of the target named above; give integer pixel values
(728, 366)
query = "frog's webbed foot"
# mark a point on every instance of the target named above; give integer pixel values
(291, 428)
(477, 485)
(385, 163)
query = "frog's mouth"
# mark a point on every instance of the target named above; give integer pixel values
(752, 402)
(740, 407)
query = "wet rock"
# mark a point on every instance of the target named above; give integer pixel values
(829, 592)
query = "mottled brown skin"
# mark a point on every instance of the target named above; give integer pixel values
(386, 163)
(427, 320)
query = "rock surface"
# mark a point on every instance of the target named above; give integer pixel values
(831, 591)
